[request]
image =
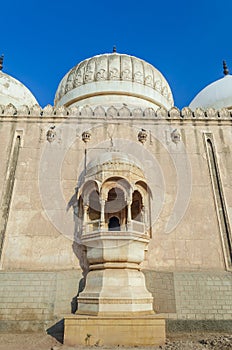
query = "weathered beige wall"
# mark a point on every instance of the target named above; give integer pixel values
(32, 242)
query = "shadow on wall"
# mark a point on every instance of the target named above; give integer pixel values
(80, 252)
(74, 302)
(57, 331)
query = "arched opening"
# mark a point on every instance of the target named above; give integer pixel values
(136, 207)
(114, 224)
(94, 206)
(116, 206)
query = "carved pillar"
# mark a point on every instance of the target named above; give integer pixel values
(85, 217)
(129, 203)
(102, 219)
(145, 213)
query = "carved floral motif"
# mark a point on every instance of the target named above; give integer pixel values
(149, 80)
(78, 78)
(158, 85)
(114, 74)
(138, 77)
(69, 83)
(101, 75)
(126, 74)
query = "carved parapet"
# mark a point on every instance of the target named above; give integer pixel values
(73, 111)
(48, 110)
(10, 109)
(86, 111)
(23, 110)
(137, 113)
(124, 112)
(149, 113)
(186, 113)
(199, 113)
(174, 113)
(224, 113)
(162, 113)
(36, 110)
(61, 111)
(211, 113)
(99, 111)
(112, 112)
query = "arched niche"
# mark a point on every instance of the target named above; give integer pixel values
(114, 224)
(94, 206)
(137, 206)
(116, 206)
(87, 188)
(116, 182)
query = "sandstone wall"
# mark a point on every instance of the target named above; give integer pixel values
(38, 300)
(35, 241)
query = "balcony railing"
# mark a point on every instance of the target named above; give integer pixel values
(95, 226)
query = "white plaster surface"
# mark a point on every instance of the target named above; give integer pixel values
(13, 91)
(217, 95)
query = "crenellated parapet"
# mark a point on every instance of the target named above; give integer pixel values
(113, 112)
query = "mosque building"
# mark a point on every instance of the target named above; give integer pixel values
(113, 199)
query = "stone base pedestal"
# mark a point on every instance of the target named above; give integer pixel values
(124, 331)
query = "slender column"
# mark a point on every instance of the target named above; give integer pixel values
(145, 213)
(85, 217)
(102, 219)
(129, 203)
(129, 211)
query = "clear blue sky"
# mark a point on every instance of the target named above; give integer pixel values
(185, 40)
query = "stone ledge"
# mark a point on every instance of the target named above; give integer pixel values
(114, 331)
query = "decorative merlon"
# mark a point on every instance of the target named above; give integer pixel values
(114, 113)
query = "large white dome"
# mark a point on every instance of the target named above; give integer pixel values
(217, 95)
(12, 91)
(114, 79)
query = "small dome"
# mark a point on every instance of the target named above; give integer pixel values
(12, 91)
(113, 157)
(217, 95)
(114, 79)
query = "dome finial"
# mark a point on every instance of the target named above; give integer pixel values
(225, 69)
(1, 62)
(114, 49)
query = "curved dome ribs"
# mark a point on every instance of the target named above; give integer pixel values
(114, 75)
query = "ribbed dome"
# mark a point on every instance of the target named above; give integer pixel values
(113, 79)
(217, 95)
(12, 91)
